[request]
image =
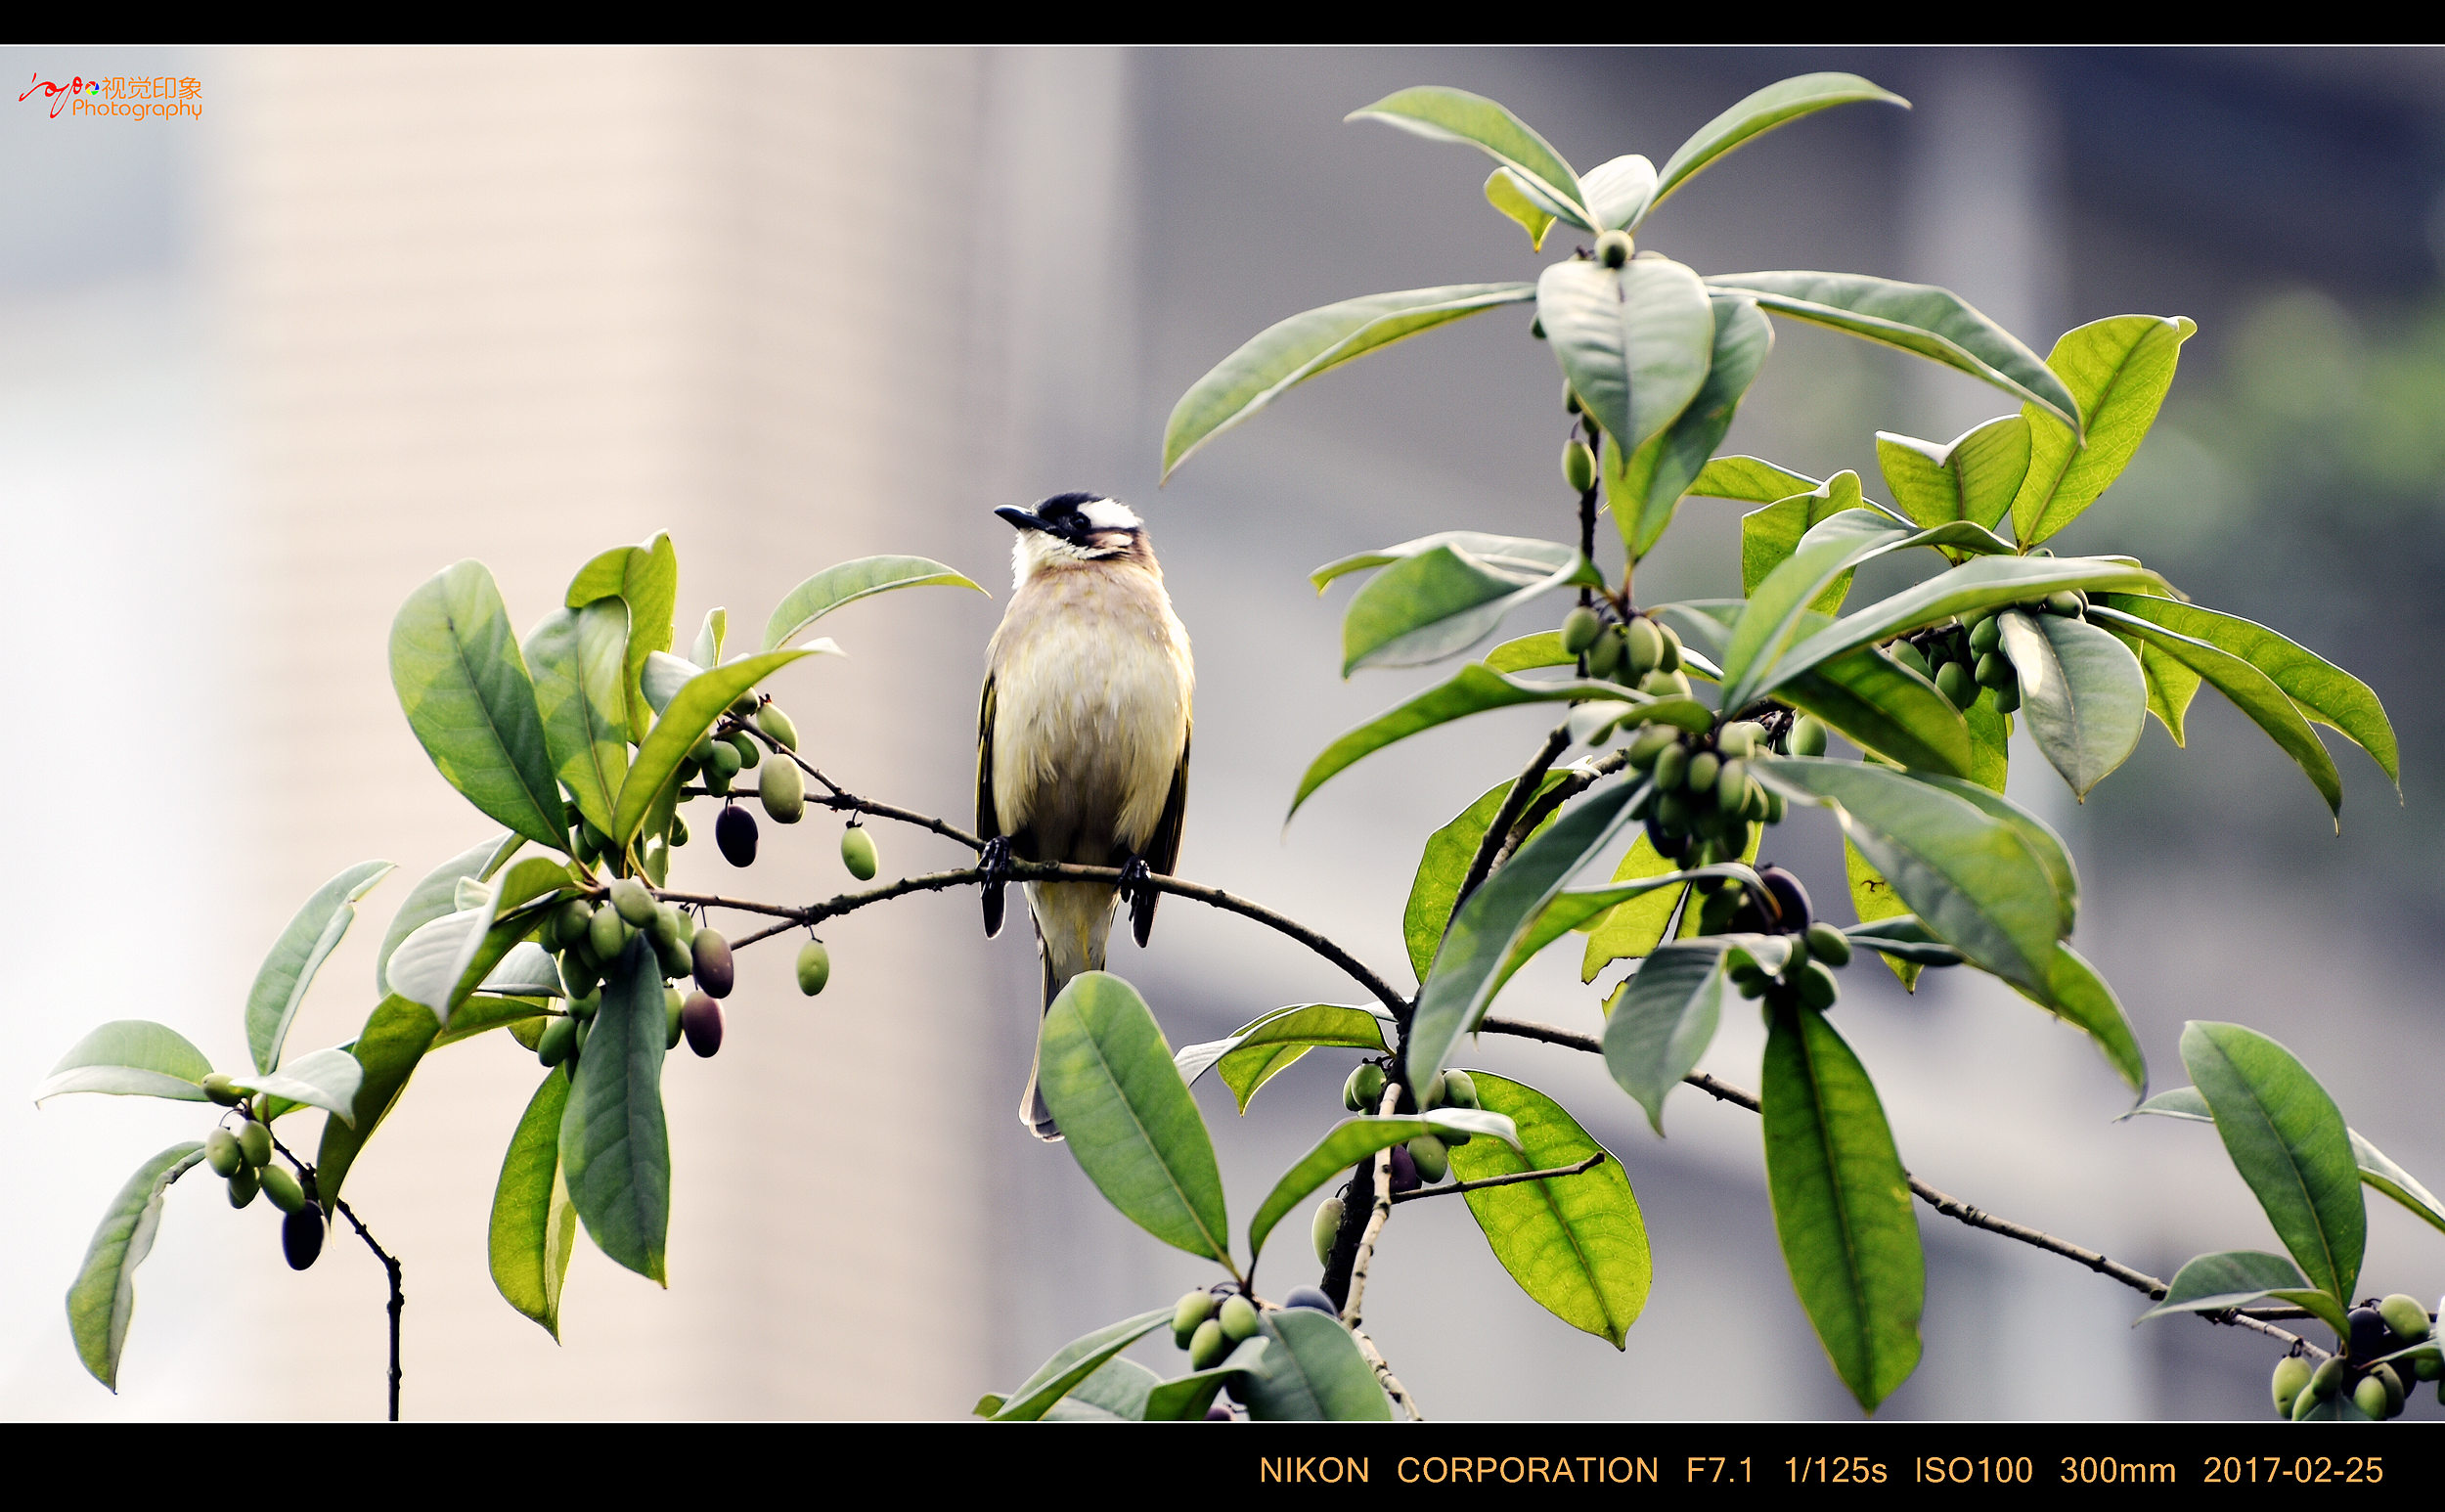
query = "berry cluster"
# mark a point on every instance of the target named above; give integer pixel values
(1966, 655)
(244, 1159)
(1701, 800)
(1644, 653)
(588, 937)
(2376, 1384)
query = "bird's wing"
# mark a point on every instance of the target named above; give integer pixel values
(988, 818)
(1163, 848)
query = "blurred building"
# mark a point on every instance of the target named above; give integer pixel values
(377, 311)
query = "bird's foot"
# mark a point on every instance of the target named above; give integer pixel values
(1139, 896)
(995, 865)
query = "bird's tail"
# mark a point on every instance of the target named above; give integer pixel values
(1073, 923)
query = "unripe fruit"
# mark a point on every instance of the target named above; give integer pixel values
(1328, 1228)
(669, 927)
(1953, 680)
(711, 954)
(2371, 1396)
(745, 704)
(782, 790)
(577, 1045)
(1807, 737)
(607, 935)
(1660, 683)
(1774, 807)
(1646, 647)
(2405, 1315)
(1672, 768)
(856, 853)
(2291, 1378)
(749, 753)
(569, 921)
(1365, 1090)
(1606, 654)
(2307, 1402)
(1993, 670)
(1731, 785)
(1817, 987)
(1430, 1095)
(254, 1141)
(736, 834)
(716, 781)
(301, 1236)
(774, 723)
(1207, 1346)
(1193, 1310)
(635, 904)
(1578, 465)
(1670, 660)
(1433, 1160)
(679, 829)
(242, 1186)
(700, 1019)
(552, 1047)
(1613, 249)
(1704, 768)
(1238, 1318)
(2327, 1379)
(1459, 1089)
(726, 761)
(1829, 944)
(282, 1188)
(2428, 1367)
(584, 1008)
(2008, 699)
(1739, 739)
(1985, 638)
(221, 1153)
(672, 1002)
(2067, 603)
(1735, 838)
(2394, 1385)
(1579, 628)
(219, 1089)
(1909, 655)
(1652, 741)
(1672, 812)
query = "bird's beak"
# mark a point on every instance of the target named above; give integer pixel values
(1021, 518)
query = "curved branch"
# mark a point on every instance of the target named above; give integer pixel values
(1523, 789)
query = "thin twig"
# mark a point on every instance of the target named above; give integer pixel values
(1579, 781)
(1376, 1220)
(1523, 789)
(1590, 1163)
(398, 1298)
(1384, 1374)
(842, 798)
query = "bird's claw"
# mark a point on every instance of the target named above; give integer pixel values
(995, 865)
(1140, 896)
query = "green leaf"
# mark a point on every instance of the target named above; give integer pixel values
(579, 657)
(1074, 1363)
(444, 961)
(1841, 1206)
(281, 983)
(1903, 938)
(479, 1014)
(849, 582)
(1294, 350)
(1577, 1244)
(2118, 370)
(1257, 1052)
(2325, 692)
(436, 896)
(1444, 866)
(1186, 1398)
(1990, 739)
(2250, 690)
(2080, 997)
(1130, 1122)
(1873, 900)
(646, 579)
(2289, 1143)
(1444, 114)
(2081, 693)
(1753, 481)
(1523, 558)
(1314, 1372)
(1493, 920)
(1662, 1020)
(1579, 908)
(1776, 605)
(1635, 342)
(1353, 1141)
(1644, 487)
(1985, 583)
(1528, 652)
(2234, 1279)
(1882, 706)
(1116, 1393)
(2171, 685)
(1920, 318)
(102, 1299)
(130, 1057)
(1770, 535)
(707, 651)
(1776, 105)
(2379, 1171)
(1634, 927)
(1973, 879)
(693, 711)
(393, 1040)
(1504, 192)
(533, 1221)
(1445, 600)
(527, 972)
(1473, 690)
(1617, 191)
(615, 1150)
(465, 691)
(2183, 1102)
(1973, 478)
(327, 1079)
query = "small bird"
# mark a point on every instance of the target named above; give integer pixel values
(1082, 735)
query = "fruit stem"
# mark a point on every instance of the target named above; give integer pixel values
(1590, 1163)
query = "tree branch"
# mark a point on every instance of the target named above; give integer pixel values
(1580, 781)
(1523, 789)
(398, 1298)
(1384, 1374)
(1376, 1220)
(1590, 1163)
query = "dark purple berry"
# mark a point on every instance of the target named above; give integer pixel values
(1311, 1298)
(710, 955)
(736, 834)
(1218, 1413)
(700, 1019)
(1405, 1170)
(1790, 896)
(2370, 1337)
(301, 1236)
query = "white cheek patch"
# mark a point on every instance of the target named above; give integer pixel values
(1110, 514)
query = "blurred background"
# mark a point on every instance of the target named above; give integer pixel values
(375, 311)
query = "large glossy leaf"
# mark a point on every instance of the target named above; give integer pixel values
(1130, 1120)
(280, 982)
(1313, 1372)
(1117, 1393)
(1297, 349)
(692, 712)
(534, 1224)
(1645, 486)
(2171, 685)
(326, 1078)
(2081, 693)
(1841, 1206)
(1933, 323)
(2325, 692)
(1971, 878)
(1971, 479)
(2077, 995)
(1353, 1141)
(1776, 105)
(1990, 739)
(1770, 535)
(436, 895)
(1074, 1363)
(2042, 841)
(1438, 602)
(2234, 1279)
(1524, 558)
(1874, 899)
(1580, 908)
(1635, 342)
(1473, 690)
(465, 689)
(2118, 370)
(2289, 1143)
(1754, 481)
(646, 579)
(483, 1012)
(1776, 605)
(1526, 653)
(1491, 921)
(1985, 583)
(1509, 193)
(1662, 1018)
(1257, 1052)
(444, 961)
(614, 1148)
(393, 1040)
(849, 582)
(102, 1299)
(579, 658)
(2250, 690)
(1444, 114)
(1617, 190)
(1444, 866)
(1634, 927)
(2379, 1170)
(1186, 1398)
(1882, 706)
(1577, 1244)
(130, 1057)
(527, 972)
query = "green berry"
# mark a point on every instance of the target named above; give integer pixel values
(254, 1141)
(1739, 739)
(1673, 815)
(725, 762)
(559, 1036)
(1660, 683)
(2392, 1382)
(1910, 656)
(2371, 1396)
(1579, 628)
(1829, 944)
(1954, 683)
(1670, 660)
(243, 1185)
(815, 968)
(1613, 249)
(2067, 603)
(745, 704)
(782, 790)
(1238, 1318)
(856, 853)
(1671, 767)
(1816, 987)
(1651, 742)
(1433, 1160)
(584, 1008)
(222, 1091)
(635, 904)
(2291, 1378)
(2405, 1315)
(1328, 1228)
(1459, 1090)
(778, 726)
(1704, 768)
(1208, 1344)
(1807, 737)
(282, 1188)
(1605, 653)
(1193, 1310)
(1731, 785)
(2008, 698)
(221, 1152)
(749, 753)
(608, 934)
(1993, 670)
(1578, 465)
(1364, 1092)
(1646, 647)
(2327, 1379)
(679, 829)
(1987, 636)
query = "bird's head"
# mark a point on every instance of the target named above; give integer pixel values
(1073, 530)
